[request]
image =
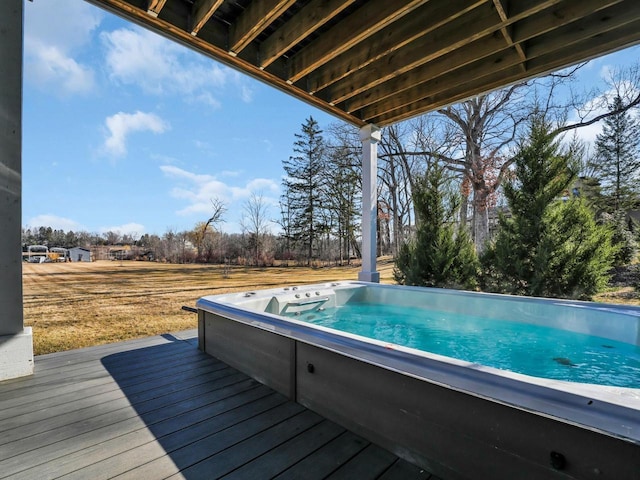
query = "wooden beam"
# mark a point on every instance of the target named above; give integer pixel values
(367, 20)
(456, 35)
(557, 40)
(554, 60)
(422, 21)
(451, 62)
(530, 27)
(506, 31)
(489, 67)
(155, 6)
(556, 17)
(590, 27)
(314, 15)
(202, 12)
(476, 24)
(258, 16)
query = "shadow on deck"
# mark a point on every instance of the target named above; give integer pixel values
(159, 408)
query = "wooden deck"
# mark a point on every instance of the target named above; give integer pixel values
(159, 408)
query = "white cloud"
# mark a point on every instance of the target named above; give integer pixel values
(55, 222)
(606, 71)
(206, 98)
(73, 25)
(122, 124)
(264, 185)
(158, 66)
(51, 45)
(198, 190)
(133, 229)
(47, 65)
(246, 93)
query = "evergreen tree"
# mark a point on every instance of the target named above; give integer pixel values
(618, 157)
(549, 247)
(622, 237)
(303, 185)
(438, 256)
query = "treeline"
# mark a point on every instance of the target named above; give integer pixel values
(188, 246)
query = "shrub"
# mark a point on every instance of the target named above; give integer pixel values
(438, 256)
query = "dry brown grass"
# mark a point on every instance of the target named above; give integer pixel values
(624, 295)
(75, 305)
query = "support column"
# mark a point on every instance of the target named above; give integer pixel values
(370, 136)
(16, 345)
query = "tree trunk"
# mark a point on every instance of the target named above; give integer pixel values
(464, 207)
(480, 220)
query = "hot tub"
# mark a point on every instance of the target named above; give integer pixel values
(456, 418)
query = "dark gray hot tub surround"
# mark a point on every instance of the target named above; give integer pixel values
(457, 419)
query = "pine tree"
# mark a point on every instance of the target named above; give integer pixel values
(303, 186)
(438, 256)
(618, 157)
(549, 247)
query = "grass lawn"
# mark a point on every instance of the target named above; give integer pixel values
(75, 305)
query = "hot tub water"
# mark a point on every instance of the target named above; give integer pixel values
(534, 350)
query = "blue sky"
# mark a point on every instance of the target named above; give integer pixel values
(126, 131)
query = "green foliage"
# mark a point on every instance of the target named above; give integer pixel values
(438, 256)
(578, 253)
(548, 247)
(618, 158)
(635, 282)
(303, 185)
(622, 237)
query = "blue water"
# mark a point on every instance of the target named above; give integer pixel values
(518, 347)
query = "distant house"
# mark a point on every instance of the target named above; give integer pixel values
(79, 254)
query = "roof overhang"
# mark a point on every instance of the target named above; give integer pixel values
(383, 61)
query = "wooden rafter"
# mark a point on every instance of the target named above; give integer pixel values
(155, 6)
(313, 16)
(383, 61)
(452, 36)
(421, 22)
(501, 66)
(254, 20)
(545, 63)
(202, 12)
(479, 51)
(506, 32)
(357, 27)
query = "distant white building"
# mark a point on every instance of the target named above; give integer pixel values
(79, 254)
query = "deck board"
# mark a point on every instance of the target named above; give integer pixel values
(326, 459)
(159, 408)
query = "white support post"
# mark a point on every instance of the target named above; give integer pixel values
(16, 345)
(370, 136)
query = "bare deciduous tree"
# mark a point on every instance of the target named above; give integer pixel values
(205, 229)
(255, 223)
